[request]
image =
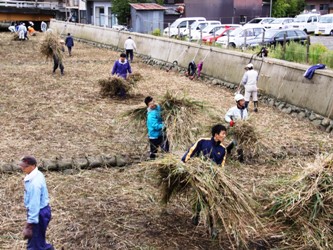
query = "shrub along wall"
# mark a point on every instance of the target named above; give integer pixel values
(282, 80)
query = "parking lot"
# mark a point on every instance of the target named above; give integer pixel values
(325, 40)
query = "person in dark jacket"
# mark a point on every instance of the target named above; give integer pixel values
(155, 127)
(69, 42)
(211, 148)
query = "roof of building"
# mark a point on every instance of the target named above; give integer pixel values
(147, 6)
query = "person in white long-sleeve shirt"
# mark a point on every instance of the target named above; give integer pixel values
(22, 30)
(129, 46)
(238, 112)
(249, 81)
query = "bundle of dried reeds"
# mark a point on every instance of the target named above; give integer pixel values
(179, 116)
(16, 36)
(51, 46)
(216, 196)
(112, 86)
(247, 139)
(134, 78)
(307, 202)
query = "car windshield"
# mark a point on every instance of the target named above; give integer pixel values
(236, 32)
(220, 31)
(300, 19)
(326, 19)
(268, 34)
(197, 25)
(277, 21)
(255, 20)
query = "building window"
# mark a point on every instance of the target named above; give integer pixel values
(323, 7)
(310, 7)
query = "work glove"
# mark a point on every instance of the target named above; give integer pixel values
(27, 231)
(232, 123)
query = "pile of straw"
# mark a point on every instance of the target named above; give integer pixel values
(179, 115)
(247, 139)
(110, 87)
(134, 78)
(221, 202)
(51, 46)
(16, 36)
(308, 202)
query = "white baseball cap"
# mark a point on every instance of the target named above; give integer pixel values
(239, 97)
(250, 65)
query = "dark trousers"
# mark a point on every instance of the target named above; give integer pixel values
(129, 52)
(57, 63)
(38, 242)
(70, 50)
(162, 142)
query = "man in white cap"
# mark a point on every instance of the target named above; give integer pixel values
(249, 81)
(238, 112)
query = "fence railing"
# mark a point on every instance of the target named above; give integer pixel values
(27, 4)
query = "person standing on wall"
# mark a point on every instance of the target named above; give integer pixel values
(69, 43)
(129, 46)
(36, 201)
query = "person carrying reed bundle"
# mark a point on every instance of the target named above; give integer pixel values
(120, 68)
(57, 58)
(209, 148)
(238, 112)
(156, 128)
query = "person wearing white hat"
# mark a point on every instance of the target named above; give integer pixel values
(249, 81)
(238, 112)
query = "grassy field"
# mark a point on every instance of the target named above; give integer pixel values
(52, 116)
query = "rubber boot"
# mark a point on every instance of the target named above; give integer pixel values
(255, 106)
(240, 155)
(246, 105)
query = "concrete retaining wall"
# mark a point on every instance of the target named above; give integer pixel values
(280, 79)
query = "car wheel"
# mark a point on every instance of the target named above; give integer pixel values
(331, 33)
(232, 45)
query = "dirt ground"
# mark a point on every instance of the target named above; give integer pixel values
(53, 116)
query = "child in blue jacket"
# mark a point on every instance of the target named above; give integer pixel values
(155, 126)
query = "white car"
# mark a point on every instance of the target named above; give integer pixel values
(200, 25)
(325, 25)
(180, 25)
(307, 22)
(280, 23)
(211, 29)
(237, 37)
(260, 22)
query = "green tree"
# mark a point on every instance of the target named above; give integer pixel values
(285, 8)
(123, 10)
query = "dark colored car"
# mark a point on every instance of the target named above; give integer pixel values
(272, 37)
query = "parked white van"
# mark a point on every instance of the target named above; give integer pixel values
(181, 24)
(197, 26)
(325, 25)
(307, 22)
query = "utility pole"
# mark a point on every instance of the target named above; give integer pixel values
(270, 8)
